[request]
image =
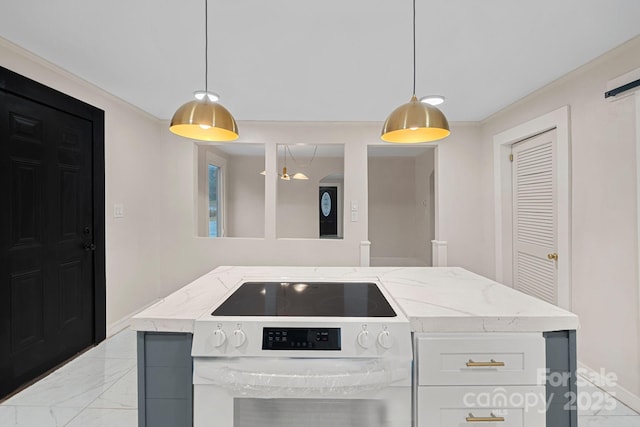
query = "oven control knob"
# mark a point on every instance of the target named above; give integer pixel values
(219, 337)
(385, 339)
(364, 339)
(239, 338)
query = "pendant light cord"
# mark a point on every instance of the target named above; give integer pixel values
(313, 156)
(206, 47)
(414, 47)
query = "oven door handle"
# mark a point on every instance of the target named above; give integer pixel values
(302, 377)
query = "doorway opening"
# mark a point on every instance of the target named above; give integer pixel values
(401, 205)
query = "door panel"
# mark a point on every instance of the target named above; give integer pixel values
(535, 217)
(26, 208)
(328, 207)
(71, 284)
(46, 276)
(27, 292)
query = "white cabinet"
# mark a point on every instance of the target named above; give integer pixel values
(495, 379)
(508, 406)
(480, 359)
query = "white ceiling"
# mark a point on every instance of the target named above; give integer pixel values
(333, 60)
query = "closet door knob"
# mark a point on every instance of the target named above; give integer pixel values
(553, 256)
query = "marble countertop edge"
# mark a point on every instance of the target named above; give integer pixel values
(433, 299)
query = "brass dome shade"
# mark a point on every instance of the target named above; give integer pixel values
(415, 122)
(205, 121)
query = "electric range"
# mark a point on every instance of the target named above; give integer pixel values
(303, 354)
(304, 319)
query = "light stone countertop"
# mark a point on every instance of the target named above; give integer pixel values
(448, 299)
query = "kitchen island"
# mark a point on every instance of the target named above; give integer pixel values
(448, 309)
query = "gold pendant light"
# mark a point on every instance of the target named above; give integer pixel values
(204, 118)
(415, 121)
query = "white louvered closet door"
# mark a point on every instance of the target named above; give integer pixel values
(535, 216)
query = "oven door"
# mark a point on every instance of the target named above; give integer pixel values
(305, 392)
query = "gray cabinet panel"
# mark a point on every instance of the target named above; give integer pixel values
(561, 378)
(167, 382)
(165, 370)
(167, 349)
(168, 412)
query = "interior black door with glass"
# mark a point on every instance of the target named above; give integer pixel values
(328, 204)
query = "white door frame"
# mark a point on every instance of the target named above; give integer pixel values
(638, 191)
(502, 190)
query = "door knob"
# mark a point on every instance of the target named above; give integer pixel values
(553, 256)
(90, 247)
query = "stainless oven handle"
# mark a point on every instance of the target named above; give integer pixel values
(301, 377)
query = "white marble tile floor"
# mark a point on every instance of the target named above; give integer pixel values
(98, 389)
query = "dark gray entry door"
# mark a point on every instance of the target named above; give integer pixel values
(47, 238)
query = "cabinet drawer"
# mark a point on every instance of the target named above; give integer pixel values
(509, 406)
(480, 359)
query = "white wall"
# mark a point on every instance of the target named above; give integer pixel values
(424, 207)
(244, 195)
(185, 257)
(297, 200)
(604, 256)
(459, 214)
(392, 212)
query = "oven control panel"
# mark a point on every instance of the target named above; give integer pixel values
(243, 337)
(301, 339)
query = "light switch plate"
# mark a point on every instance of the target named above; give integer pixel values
(118, 211)
(354, 205)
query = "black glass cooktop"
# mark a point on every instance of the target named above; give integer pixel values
(308, 299)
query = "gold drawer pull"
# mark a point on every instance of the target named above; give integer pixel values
(491, 418)
(472, 364)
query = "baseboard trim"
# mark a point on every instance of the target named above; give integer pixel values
(617, 391)
(119, 325)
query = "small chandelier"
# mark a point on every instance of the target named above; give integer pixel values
(285, 175)
(204, 118)
(415, 121)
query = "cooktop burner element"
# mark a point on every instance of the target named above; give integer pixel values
(306, 299)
